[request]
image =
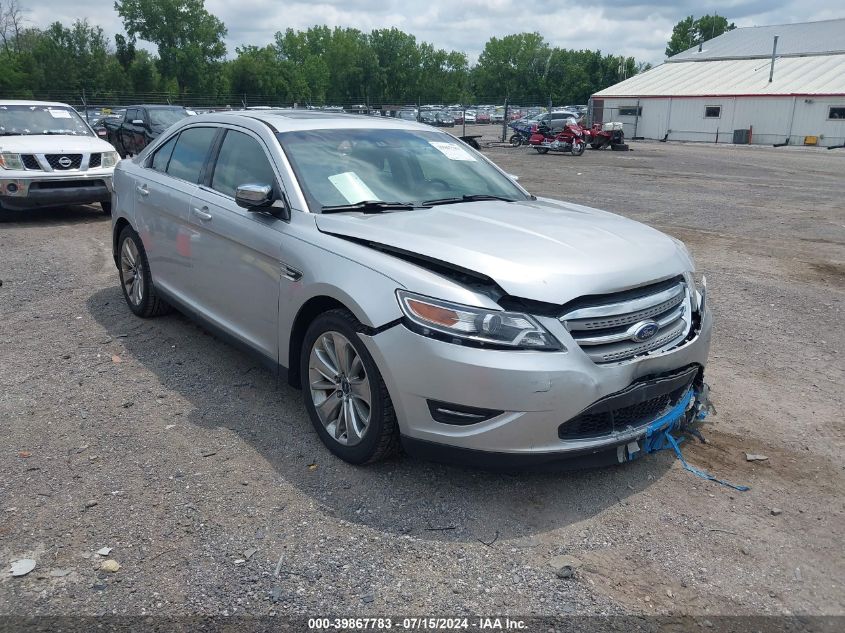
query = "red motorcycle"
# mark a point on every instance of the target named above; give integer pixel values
(572, 138)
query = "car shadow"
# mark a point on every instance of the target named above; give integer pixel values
(55, 216)
(228, 389)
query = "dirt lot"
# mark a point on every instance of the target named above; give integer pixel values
(205, 477)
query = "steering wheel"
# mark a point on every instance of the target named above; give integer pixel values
(441, 182)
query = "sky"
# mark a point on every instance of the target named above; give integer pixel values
(620, 27)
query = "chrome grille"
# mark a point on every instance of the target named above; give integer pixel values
(613, 328)
(71, 161)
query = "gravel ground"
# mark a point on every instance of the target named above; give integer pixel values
(203, 474)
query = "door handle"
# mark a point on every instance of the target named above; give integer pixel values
(202, 214)
(142, 189)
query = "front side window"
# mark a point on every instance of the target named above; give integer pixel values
(241, 161)
(341, 167)
(190, 153)
(162, 156)
(712, 112)
(836, 112)
(28, 120)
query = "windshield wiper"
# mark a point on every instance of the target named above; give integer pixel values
(370, 206)
(467, 198)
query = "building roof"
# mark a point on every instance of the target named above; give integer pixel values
(805, 38)
(817, 75)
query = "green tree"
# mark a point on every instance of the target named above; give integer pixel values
(189, 38)
(690, 32)
(260, 72)
(514, 65)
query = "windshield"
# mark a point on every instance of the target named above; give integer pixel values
(166, 117)
(39, 119)
(341, 167)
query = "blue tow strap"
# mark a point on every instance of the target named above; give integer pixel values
(658, 437)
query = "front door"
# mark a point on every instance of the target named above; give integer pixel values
(236, 253)
(162, 197)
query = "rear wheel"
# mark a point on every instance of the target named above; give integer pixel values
(596, 145)
(516, 140)
(135, 278)
(542, 150)
(344, 392)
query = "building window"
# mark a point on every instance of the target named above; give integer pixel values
(836, 112)
(712, 112)
(630, 111)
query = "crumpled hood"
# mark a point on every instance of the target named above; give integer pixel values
(53, 144)
(543, 250)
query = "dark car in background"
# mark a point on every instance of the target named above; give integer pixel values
(140, 125)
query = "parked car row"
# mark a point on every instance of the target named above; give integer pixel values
(51, 154)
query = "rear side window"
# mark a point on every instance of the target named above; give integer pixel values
(241, 161)
(190, 153)
(162, 156)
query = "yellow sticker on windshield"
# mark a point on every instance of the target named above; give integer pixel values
(452, 151)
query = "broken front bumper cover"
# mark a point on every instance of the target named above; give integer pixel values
(687, 402)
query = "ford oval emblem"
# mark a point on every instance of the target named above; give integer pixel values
(65, 162)
(644, 331)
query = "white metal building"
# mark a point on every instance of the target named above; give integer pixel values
(709, 91)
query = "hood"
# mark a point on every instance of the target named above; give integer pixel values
(53, 144)
(542, 250)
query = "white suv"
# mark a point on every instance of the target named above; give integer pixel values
(50, 156)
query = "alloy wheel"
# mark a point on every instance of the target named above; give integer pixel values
(340, 388)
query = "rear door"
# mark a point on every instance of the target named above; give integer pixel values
(163, 194)
(237, 252)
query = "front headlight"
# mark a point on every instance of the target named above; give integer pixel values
(109, 159)
(460, 323)
(10, 161)
(697, 290)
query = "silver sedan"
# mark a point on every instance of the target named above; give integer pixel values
(418, 295)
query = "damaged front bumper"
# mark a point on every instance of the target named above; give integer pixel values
(529, 408)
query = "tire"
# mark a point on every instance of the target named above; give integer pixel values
(578, 148)
(516, 140)
(542, 150)
(369, 440)
(596, 145)
(619, 147)
(141, 298)
(106, 207)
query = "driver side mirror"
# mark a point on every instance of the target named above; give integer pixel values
(259, 198)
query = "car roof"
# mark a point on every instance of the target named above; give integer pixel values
(298, 120)
(33, 103)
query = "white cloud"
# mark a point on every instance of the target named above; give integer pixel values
(639, 28)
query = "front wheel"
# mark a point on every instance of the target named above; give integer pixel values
(578, 147)
(344, 392)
